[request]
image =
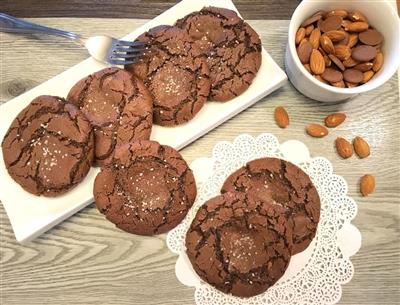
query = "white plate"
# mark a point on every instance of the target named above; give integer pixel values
(30, 215)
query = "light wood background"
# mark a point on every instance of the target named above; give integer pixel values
(86, 260)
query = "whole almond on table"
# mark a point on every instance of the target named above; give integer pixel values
(367, 185)
(344, 148)
(314, 38)
(335, 119)
(316, 130)
(301, 33)
(317, 62)
(361, 147)
(281, 117)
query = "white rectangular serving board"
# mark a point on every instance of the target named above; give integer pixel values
(30, 215)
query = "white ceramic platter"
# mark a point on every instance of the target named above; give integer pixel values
(30, 215)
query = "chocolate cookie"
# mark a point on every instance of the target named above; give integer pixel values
(175, 72)
(49, 146)
(239, 243)
(289, 186)
(119, 107)
(232, 47)
(148, 189)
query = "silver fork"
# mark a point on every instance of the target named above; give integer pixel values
(102, 48)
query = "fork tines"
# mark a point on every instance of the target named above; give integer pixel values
(126, 52)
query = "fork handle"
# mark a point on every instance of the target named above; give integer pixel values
(14, 25)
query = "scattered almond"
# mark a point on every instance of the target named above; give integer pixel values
(367, 185)
(316, 130)
(335, 119)
(361, 147)
(378, 62)
(301, 33)
(344, 148)
(314, 38)
(281, 117)
(317, 62)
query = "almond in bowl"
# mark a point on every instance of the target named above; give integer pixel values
(326, 38)
(342, 45)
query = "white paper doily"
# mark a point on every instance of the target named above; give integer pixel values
(314, 276)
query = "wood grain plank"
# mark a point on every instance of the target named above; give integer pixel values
(250, 9)
(86, 260)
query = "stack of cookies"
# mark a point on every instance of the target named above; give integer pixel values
(241, 241)
(106, 120)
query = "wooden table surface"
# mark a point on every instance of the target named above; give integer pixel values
(86, 260)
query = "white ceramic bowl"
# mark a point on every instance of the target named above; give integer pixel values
(381, 15)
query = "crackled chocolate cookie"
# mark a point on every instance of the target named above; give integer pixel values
(232, 47)
(239, 243)
(148, 189)
(49, 146)
(289, 186)
(118, 105)
(176, 73)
